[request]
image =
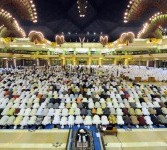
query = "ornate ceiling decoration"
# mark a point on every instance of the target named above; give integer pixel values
(82, 7)
(11, 33)
(127, 37)
(60, 39)
(24, 8)
(136, 8)
(104, 40)
(154, 27)
(10, 25)
(36, 37)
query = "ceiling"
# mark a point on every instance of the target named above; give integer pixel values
(102, 17)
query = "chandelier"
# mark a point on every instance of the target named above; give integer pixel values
(82, 7)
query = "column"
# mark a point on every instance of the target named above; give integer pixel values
(6, 63)
(115, 61)
(147, 64)
(14, 62)
(90, 61)
(74, 61)
(139, 63)
(23, 62)
(100, 61)
(37, 61)
(63, 61)
(155, 64)
(49, 62)
(126, 62)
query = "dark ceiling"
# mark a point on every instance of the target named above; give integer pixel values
(102, 17)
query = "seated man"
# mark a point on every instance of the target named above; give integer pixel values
(109, 129)
(127, 121)
(82, 135)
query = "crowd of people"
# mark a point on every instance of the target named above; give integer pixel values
(76, 95)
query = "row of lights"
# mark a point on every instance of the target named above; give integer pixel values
(5, 13)
(127, 10)
(82, 7)
(155, 15)
(7, 16)
(19, 28)
(146, 25)
(88, 33)
(33, 13)
(144, 29)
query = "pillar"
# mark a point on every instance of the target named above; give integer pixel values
(139, 63)
(90, 61)
(15, 62)
(23, 63)
(63, 61)
(37, 61)
(6, 63)
(100, 61)
(126, 62)
(147, 64)
(115, 61)
(155, 64)
(49, 62)
(74, 61)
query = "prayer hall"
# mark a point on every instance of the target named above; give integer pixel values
(83, 74)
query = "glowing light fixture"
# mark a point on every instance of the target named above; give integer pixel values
(36, 36)
(104, 40)
(60, 39)
(127, 37)
(82, 7)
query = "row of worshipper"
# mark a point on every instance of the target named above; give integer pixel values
(26, 100)
(131, 71)
(149, 100)
(57, 103)
(118, 100)
(42, 92)
(44, 111)
(68, 93)
(28, 79)
(24, 121)
(160, 74)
